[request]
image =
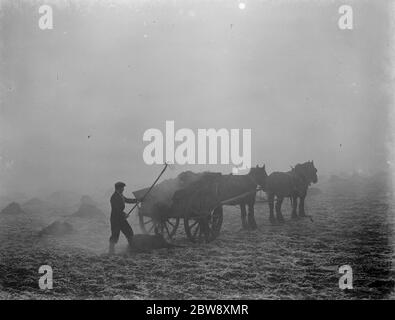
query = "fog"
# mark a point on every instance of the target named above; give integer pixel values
(76, 100)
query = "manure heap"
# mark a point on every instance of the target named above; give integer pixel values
(88, 211)
(57, 228)
(12, 209)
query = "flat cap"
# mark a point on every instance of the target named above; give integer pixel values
(119, 185)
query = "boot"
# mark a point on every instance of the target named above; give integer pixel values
(111, 249)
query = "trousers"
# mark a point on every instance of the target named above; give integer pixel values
(118, 225)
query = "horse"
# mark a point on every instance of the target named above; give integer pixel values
(292, 184)
(232, 186)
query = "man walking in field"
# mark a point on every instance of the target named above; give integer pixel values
(118, 217)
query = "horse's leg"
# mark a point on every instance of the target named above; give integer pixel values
(294, 205)
(279, 215)
(302, 213)
(251, 219)
(270, 198)
(243, 216)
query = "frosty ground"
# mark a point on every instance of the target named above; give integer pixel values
(297, 260)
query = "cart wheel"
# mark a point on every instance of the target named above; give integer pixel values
(147, 224)
(205, 227)
(168, 227)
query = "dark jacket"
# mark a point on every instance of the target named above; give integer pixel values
(118, 204)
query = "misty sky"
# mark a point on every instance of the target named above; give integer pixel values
(284, 69)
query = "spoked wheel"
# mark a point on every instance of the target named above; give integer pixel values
(204, 227)
(147, 224)
(168, 227)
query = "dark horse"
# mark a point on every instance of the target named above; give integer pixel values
(292, 184)
(230, 187)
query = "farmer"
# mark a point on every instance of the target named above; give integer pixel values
(118, 217)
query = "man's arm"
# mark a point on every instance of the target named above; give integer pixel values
(130, 200)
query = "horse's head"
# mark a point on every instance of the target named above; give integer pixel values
(308, 171)
(259, 175)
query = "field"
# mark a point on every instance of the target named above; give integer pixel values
(296, 260)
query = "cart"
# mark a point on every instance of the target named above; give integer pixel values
(197, 204)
